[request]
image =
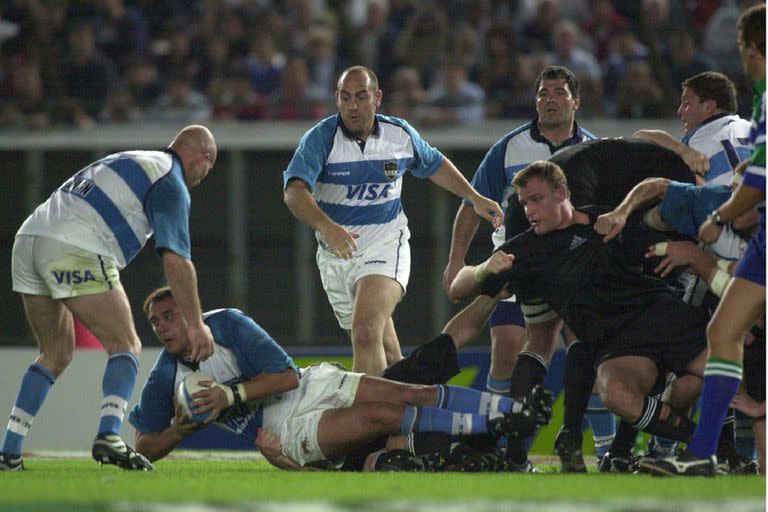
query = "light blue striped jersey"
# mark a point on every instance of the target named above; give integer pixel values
(512, 153)
(243, 351)
(724, 138)
(112, 207)
(358, 184)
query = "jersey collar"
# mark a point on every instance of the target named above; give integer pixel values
(375, 133)
(538, 137)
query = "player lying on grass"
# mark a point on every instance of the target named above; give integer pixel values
(320, 413)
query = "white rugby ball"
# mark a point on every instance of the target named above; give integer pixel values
(188, 386)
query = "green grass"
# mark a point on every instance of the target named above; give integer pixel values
(239, 481)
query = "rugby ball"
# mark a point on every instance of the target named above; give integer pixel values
(188, 386)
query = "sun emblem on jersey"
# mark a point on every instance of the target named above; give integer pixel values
(390, 170)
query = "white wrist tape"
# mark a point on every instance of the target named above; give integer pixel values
(719, 282)
(661, 248)
(227, 391)
(724, 264)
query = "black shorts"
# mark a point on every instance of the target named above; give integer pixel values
(669, 332)
(754, 368)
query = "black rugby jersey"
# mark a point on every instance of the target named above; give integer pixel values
(595, 287)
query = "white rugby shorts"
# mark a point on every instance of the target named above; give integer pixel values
(44, 266)
(390, 257)
(295, 416)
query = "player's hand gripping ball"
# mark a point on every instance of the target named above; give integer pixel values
(188, 387)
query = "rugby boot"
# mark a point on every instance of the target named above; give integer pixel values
(8, 463)
(110, 449)
(683, 464)
(568, 448)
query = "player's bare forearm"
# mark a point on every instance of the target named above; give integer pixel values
(465, 284)
(743, 199)
(269, 384)
(468, 323)
(156, 445)
(464, 229)
(182, 278)
(303, 206)
(661, 138)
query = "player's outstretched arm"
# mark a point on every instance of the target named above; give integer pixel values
(182, 278)
(468, 322)
(612, 223)
(470, 279)
(451, 179)
(156, 445)
(303, 206)
(696, 161)
(464, 229)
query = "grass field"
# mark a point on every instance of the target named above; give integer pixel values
(218, 483)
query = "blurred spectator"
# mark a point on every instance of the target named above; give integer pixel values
(664, 19)
(465, 49)
(322, 62)
(454, 99)
(370, 34)
(173, 50)
(685, 59)
(423, 42)
(143, 81)
(698, 13)
(181, 103)
(536, 35)
(639, 96)
(120, 107)
(500, 73)
(406, 96)
(264, 63)
(719, 35)
(292, 101)
(121, 31)
(236, 99)
(567, 53)
(625, 49)
(87, 76)
(601, 24)
(27, 107)
(215, 63)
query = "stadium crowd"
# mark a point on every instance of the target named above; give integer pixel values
(191, 61)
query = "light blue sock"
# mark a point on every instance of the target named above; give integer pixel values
(117, 385)
(498, 386)
(461, 399)
(35, 384)
(603, 424)
(431, 419)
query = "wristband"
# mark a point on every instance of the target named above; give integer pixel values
(719, 281)
(238, 392)
(661, 248)
(724, 264)
(480, 274)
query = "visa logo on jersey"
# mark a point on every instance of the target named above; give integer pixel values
(368, 191)
(73, 277)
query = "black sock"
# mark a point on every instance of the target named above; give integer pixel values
(676, 426)
(624, 440)
(726, 445)
(434, 362)
(529, 370)
(420, 443)
(578, 379)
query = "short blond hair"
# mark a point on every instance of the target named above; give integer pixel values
(546, 171)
